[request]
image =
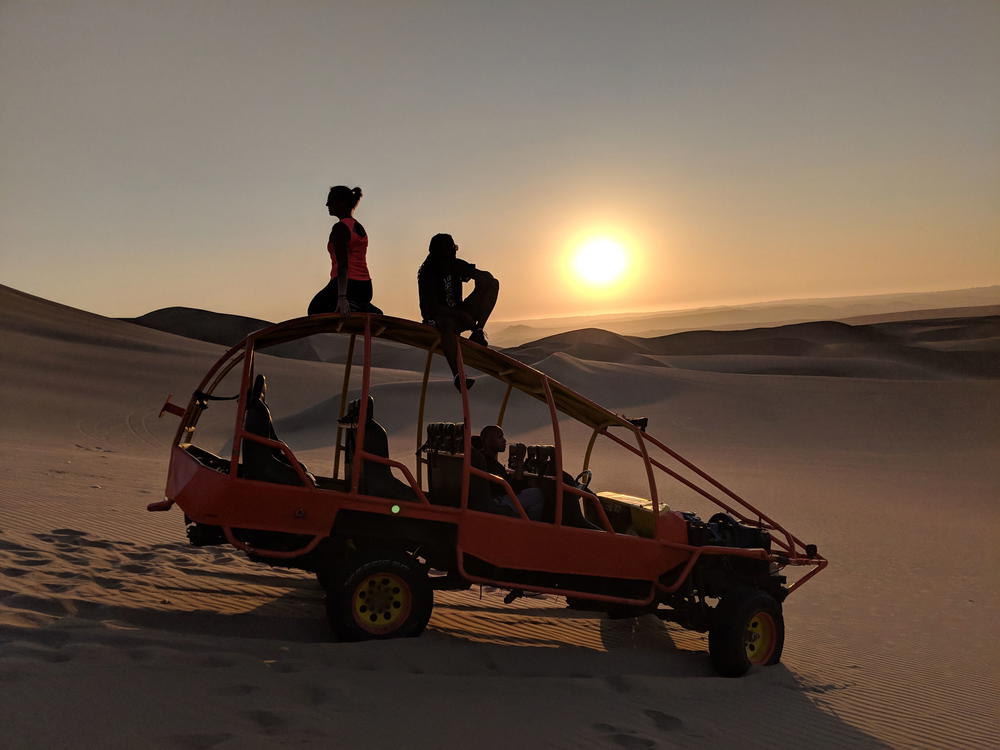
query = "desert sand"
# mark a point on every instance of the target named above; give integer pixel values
(881, 446)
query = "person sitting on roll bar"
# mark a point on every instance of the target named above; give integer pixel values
(439, 282)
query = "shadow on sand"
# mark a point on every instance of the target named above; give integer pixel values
(637, 663)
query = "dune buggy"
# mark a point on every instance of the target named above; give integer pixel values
(382, 537)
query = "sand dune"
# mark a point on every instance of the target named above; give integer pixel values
(937, 348)
(217, 328)
(872, 308)
(115, 633)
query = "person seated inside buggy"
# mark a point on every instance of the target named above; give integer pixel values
(376, 477)
(492, 442)
(264, 462)
(528, 468)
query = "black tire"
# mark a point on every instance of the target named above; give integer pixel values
(400, 589)
(747, 630)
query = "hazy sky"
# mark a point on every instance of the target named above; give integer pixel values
(179, 153)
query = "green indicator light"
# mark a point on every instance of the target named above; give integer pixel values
(395, 509)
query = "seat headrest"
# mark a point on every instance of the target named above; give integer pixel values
(445, 437)
(353, 411)
(259, 389)
(540, 460)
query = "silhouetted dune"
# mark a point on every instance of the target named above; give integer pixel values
(597, 337)
(591, 344)
(32, 317)
(854, 310)
(984, 331)
(217, 328)
(950, 347)
(797, 339)
(963, 345)
(937, 313)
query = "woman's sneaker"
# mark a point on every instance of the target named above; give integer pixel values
(478, 337)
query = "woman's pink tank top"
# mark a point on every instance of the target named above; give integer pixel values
(357, 254)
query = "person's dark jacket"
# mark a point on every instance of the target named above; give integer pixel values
(439, 283)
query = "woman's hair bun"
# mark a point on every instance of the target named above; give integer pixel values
(344, 194)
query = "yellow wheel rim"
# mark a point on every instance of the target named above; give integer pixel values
(381, 603)
(759, 639)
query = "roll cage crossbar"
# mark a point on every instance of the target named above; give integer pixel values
(517, 376)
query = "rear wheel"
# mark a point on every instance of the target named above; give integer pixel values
(388, 596)
(748, 630)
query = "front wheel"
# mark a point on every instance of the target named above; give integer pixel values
(747, 630)
(384, 597)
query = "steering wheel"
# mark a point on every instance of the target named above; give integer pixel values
(583, 479)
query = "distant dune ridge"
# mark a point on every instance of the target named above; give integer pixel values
(968, 347)
(217, 328)
(114, 632)
(938, 343)
(758, 314)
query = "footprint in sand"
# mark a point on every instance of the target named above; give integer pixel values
(268, 721)
(632, 741)
(618, 683)
(108, 583)
(48, 655)
(239, 690)
(215, 662)
(40, 604)
(626, 738)
(285, 667)
(198, 741)
(315, 695)
(5, 545)
(64, 573)
(664, 722)
(98, 543)
(78, 538)
(75, 559)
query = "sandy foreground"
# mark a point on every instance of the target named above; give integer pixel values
(115, 633)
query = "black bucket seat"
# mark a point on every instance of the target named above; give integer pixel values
(262, 462)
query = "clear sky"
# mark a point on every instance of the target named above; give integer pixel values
(179, 153)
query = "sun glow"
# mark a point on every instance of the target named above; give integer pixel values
(600, 261)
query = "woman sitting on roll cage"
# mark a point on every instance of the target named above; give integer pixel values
(350, 287)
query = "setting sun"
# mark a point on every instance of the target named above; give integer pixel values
(600, 261)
